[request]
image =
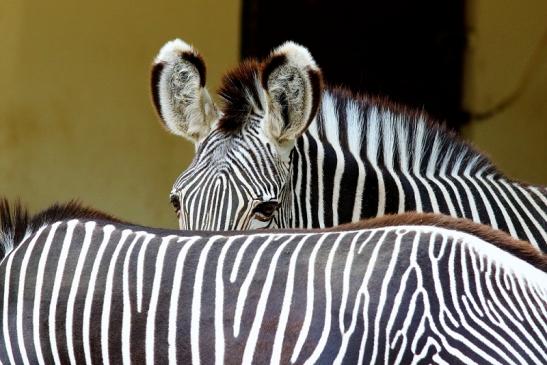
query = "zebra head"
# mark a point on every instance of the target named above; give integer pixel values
(241, 172)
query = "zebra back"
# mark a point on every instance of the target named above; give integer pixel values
(96, 291)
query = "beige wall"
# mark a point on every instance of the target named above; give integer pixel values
(504, 36)
(76, 119)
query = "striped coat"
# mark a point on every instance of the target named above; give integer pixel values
(81, 290)
(281, 151)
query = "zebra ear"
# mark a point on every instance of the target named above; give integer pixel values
(293, 83)
(178, 91)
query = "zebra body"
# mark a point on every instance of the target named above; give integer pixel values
(78, 291)
(281, 153)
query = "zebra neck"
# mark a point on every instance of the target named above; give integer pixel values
(364, 155)
(360, 160)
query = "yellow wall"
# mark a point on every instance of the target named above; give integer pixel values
(504, 36)
(76, 119)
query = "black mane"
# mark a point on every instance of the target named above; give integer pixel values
(16, 221)
(448, 139)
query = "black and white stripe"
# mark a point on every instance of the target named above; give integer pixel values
(244, 167)
(356, 160)
(359, 159)
(321, 158)
(97, 292)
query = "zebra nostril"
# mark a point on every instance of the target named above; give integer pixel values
(175, 202)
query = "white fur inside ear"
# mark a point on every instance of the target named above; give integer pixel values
(296, 54)
(171, 50)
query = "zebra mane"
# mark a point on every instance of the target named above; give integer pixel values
(240, 95)
(354, 121)
(376, 125)
(16, 222)
(500, 239)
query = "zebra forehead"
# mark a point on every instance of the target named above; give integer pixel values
(220, 147)
(241, 94)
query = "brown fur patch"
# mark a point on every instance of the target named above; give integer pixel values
(234, 90)
(521, 249)
(242, 81)
(15, 220)
(72, 210)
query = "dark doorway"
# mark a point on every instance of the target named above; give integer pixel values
(410, 51)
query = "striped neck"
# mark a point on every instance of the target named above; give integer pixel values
(364, 157)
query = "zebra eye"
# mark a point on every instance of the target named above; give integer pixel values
(265, 210)
(175, 202)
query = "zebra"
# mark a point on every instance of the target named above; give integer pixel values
(77, 286)
(282, 152)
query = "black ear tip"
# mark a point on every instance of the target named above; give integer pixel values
(155, 85)
(316, 81)
(196, 60)
(176, 50)
(274, 62)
